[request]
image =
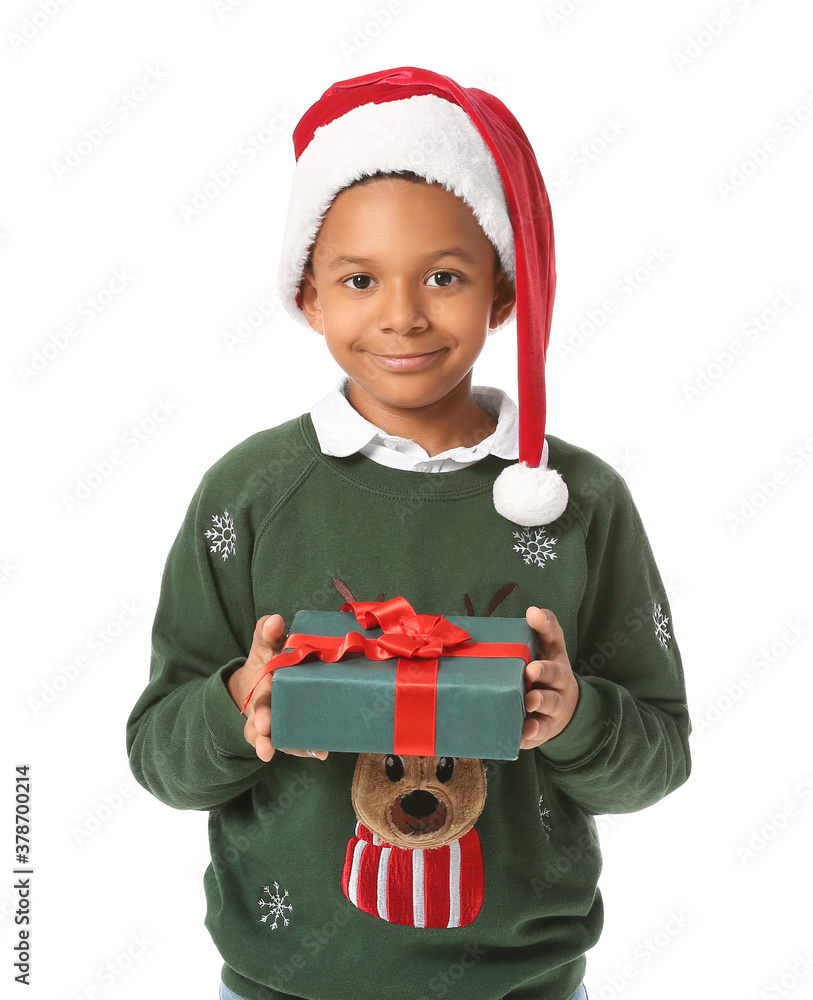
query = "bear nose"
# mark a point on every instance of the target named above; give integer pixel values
(419, 804)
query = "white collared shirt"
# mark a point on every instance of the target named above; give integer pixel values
(342, 431)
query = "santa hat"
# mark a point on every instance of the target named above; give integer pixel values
(467, 141)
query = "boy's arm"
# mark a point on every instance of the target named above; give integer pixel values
(185, 736)
(627, 742)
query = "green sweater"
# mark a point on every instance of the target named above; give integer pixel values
(277, 526)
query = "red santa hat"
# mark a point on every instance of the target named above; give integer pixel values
(467, 141)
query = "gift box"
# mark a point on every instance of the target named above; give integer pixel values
(423, 685)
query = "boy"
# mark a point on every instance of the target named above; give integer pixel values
(418, 223)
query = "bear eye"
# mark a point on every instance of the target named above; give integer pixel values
(445, 768)
(394, 767)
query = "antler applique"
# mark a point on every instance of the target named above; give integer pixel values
(346, 593)
(496, 600)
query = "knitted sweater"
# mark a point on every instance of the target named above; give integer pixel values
(277, 526)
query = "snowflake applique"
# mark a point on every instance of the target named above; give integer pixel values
(276, 906)
(661, 631)
(534, 546)
(544, 815)
(222, 535)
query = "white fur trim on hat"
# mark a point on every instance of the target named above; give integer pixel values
(426, 134)
(530, 496)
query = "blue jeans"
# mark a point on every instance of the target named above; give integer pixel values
(226, 994)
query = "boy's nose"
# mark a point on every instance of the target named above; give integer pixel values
(402, 310)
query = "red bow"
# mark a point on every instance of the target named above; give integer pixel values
(417, 641)
(405, 633)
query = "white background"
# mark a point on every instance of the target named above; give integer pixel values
(671, 102)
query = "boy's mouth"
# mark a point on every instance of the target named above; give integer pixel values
(406, 362)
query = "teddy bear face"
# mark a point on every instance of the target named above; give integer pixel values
(418, 801)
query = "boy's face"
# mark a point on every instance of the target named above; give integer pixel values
(405, 287)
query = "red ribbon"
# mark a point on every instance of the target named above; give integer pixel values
(417, 641)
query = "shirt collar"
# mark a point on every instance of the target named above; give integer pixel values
(342, 431)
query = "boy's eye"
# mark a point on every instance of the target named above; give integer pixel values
(444, 279)
(359, 282)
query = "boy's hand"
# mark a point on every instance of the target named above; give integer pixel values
(265, 646)
(552, 700)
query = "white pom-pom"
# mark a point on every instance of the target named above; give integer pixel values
(530, 496)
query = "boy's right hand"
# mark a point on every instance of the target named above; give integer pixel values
(265, 646)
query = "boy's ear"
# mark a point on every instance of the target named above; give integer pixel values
(504, 298)
(310, 303)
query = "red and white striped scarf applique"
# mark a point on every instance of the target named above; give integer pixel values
(417, 887)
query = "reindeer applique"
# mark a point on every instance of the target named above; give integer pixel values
(415, 857)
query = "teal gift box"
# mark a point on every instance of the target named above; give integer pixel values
(350, 705)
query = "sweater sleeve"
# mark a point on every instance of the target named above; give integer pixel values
(627, 744)
(185, 735)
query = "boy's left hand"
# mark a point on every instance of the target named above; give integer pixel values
(551, 702)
